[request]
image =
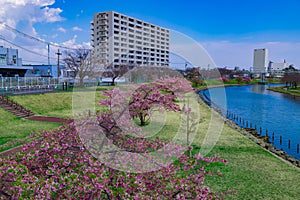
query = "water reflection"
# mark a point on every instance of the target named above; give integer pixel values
(276, 112)
(260, 89)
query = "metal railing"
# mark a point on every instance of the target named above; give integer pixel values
(18, 85)
(17, 82)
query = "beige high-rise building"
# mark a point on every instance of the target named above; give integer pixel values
(260, 61)
(119, 40)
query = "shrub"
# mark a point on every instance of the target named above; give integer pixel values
(239, 79)
(224, 79)
(247, 79)
(196, 82)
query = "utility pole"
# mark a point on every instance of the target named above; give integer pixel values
(48, 54)
(58, 67)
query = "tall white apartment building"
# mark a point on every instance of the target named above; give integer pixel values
(260, 61)
(119, 40)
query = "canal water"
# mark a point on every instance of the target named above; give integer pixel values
(270, 112)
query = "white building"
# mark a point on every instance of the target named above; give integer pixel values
(260, 61)
(10, 63)
(278, 66)
(277, 69)
(122, 40)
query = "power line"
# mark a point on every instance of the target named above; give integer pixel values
(36, 39)
(26, 49)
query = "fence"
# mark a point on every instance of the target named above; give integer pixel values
(12, 85)
(271, 137)
(17, 82)
(19, 85)
(245, 123)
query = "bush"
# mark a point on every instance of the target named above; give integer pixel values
(247, 79)
(224, 79)
(196, 82)
(239, 79)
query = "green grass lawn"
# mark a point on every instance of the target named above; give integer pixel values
(251, 171)
(14, 130)
(57, 104)
(290, 91)
(216, 82)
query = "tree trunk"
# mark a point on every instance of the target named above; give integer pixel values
(142, 120)
(81, 83)
(113, 81)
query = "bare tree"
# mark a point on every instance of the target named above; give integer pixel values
(291, 79)
(80, 62)
(116, 72)
(191, 73)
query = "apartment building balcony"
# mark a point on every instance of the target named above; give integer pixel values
(103, 16)
(103, 22)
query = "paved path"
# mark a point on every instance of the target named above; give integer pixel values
(50, 119)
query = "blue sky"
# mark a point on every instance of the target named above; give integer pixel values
(228, 30)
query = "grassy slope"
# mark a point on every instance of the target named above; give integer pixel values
(49, 104)
(55, 104)
(292, 91)
(13, 130)
(253, 172)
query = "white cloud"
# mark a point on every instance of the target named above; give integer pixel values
(74, 45)
(51, 14)
(28, 12)
(76, 28)
(61, 29)
(22, 15)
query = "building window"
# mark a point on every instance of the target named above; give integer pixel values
(14, 59)
(2, 58)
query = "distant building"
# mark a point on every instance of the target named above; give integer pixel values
(42, 71)
(277, 69)
(11, 64)
(119, 40)
(260, 61)
(236, 68)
